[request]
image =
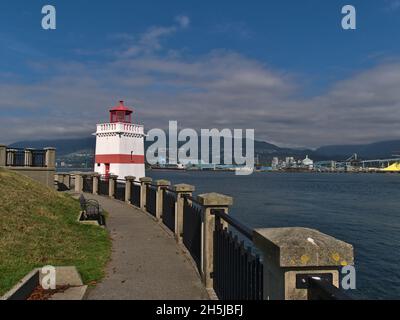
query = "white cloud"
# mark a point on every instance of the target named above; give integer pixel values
(151, 40)
(183, 21)
(219, 89)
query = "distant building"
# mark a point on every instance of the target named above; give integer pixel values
(275, 163)
(307, 162)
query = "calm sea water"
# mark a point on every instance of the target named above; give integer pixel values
(362, 209)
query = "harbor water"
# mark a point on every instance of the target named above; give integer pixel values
(361, 209)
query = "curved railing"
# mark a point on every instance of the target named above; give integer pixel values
(225, 251)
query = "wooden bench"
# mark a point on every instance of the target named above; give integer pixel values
(91, 210)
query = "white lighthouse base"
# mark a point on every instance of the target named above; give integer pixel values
(122, 170)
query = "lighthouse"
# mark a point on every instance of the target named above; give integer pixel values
(120, 145)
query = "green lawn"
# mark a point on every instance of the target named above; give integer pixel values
(38, 227)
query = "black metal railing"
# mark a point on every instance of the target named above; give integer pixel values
(104, 186)
(322, 289)
(18, 157)
(168, 211)
(38, 158)
(87, 184)
(135, 194)
(15, 157)
(192, 216)
(151, 199)
(120, 190)
(238, 272)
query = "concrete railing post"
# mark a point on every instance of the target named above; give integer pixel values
(66, 180)
(11, 157)
(78, 183)
(96, 177)
(50, 157)
(143, 187)
(129, 180)
(112, 185)
(210, 201)
(28, 157)
(160, 185)
(180, 190)
(58, 177)
(288, 252)
(3, 155)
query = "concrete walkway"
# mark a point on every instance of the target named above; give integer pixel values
(146, 263)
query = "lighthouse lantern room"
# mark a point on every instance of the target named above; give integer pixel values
(120, 145)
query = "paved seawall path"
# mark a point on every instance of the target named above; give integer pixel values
(146, 262)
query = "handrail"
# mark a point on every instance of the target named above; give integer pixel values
(246, 231)
(191, 198)
(320, 289)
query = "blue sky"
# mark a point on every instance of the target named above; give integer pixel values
(285, 68)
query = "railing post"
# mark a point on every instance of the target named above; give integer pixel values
(180, 190)
(210, 201)
(128, 188)
(78, 183)
(61, 179)
(11, 157)
(288, 252)
(96, 177)
(160, 185)
(28, 157)
(112, 181)
(3, 155)
(50, 158)
(66, 180)
(143, 186)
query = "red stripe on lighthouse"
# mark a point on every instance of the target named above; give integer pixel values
(119, 158)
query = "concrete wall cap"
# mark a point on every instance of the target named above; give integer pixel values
(183, 187)
(162, 183)
(303, 247)
(130, 178)
(146, 179)
(214, 199)
(49, 148)
(88, 174)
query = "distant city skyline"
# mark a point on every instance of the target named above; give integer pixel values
(285, 68)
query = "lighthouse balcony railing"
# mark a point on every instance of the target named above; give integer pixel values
(120, 127)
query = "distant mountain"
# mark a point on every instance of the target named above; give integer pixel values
(264, 151)
(383, 149)
(63, 146)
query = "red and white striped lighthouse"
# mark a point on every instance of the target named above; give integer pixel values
(120, 145)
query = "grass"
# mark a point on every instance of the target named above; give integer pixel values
(39, 227)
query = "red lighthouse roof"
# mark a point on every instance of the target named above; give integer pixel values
(121, 113)
(121, 107)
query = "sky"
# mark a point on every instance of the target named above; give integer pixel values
(284, 68)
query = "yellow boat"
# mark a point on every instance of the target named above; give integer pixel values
(393, 167)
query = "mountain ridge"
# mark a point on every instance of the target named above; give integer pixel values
(264, 150)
